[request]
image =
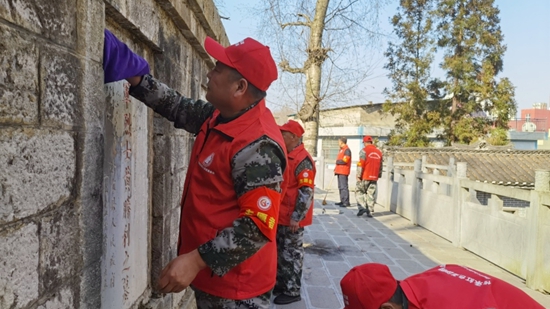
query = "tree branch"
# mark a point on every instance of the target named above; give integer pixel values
(287, 68)
(296, 23)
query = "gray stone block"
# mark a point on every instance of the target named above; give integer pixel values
(180, 152)
(316, 277)
(90, 32)
(19, 249)
(38, 170)
(411, 266)
(323, 297)
(385, 243)
(91, 196)
(343, 241)
(61, 299)
(18, 78)
(337, 269)
(161, 148)
(90, 285)
(55, 21)
(351, 251)
(380, 258)
(60, 85)
(92, 96)
(59, 247)
(357, 260)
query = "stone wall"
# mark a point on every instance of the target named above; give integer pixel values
(80, 161)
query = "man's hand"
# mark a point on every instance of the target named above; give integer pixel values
(294, 226)
(179, 273)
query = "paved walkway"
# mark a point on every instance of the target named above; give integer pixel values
(339, 240)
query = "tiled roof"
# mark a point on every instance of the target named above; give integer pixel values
(504, 167)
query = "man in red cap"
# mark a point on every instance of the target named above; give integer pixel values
(372, 286)
(232, 191)
(296, 212)
(369, 169)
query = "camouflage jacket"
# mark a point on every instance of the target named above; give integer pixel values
(249, 171)
(305, 194)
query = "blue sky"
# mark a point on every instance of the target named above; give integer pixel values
(526, 28)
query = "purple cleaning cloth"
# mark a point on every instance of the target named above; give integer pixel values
(119, 62)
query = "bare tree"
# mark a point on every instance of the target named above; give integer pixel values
(326, 45)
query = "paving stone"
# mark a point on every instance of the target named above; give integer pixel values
(316, 277)
(351, 251)
(343, 240)
(358, 260)
(380, 258)
(323, 298)
(384, 242)
(411, 266)
(397, 253)
(337, 269)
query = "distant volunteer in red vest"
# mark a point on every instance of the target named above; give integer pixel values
(232, 192)
(296, 212)
(372, 286)
(369, 169)
(342, 170)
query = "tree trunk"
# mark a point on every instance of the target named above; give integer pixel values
(309, 113)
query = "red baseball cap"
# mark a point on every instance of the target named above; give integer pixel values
(249, 57)
(368, 286)
(367, 139)
(293, 127)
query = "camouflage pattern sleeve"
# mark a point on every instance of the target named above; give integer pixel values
(362, 158)
(261, 163)
(185, 113)
(305, 193)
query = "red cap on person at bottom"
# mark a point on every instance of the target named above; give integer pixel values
(368, 286)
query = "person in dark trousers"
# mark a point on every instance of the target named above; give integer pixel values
(295, 214)
(369, 169)
(234, 184)
(342, 170)
(372, 286)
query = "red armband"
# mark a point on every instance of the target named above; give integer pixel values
(262, 206)
(306, 178)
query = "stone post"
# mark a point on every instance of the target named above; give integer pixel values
(321, 172)
(389, 183)
(534, 258)
(458, 201)
(424, 162)
(416, 191)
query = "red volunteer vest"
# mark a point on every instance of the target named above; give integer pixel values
(288, 203)
(209, 202)
(458, 287)
(371, 165)
(343, 169)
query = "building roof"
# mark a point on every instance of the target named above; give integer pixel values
(504, 167)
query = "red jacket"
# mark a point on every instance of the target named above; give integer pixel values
(210, 204)
(343, 169)
(371, 164)
(305, 178)
(459, 287)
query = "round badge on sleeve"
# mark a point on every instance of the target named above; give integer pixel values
(264, 203)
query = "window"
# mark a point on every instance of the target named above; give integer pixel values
(330, 148)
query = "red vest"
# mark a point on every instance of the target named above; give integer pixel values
(209, 202)
(457, 287)
(342, 169)
(288, 202)
(371, 164)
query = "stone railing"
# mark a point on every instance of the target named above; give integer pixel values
(495, 228)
